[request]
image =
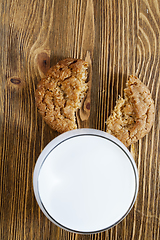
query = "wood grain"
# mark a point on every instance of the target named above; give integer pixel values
(117, 38)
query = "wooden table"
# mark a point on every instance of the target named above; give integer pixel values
(117, 38)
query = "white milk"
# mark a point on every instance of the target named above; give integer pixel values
(86, 183)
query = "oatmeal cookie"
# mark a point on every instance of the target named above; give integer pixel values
(60, 93)
(133, 116)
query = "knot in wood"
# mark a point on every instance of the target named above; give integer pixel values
(88, 106)
(15, 80)
(43, 61)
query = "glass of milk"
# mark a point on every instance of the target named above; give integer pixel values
(85, 181)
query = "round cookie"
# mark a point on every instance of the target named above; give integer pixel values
(60, 93)
(133, 116)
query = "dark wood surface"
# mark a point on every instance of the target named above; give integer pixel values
(117, 38)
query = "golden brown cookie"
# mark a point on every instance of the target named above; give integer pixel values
(60, 93)
(133, 116)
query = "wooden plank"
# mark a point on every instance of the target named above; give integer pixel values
(117, 38)
(147, 205)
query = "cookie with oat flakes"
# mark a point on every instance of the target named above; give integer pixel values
(59, 95)
(133, 116)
